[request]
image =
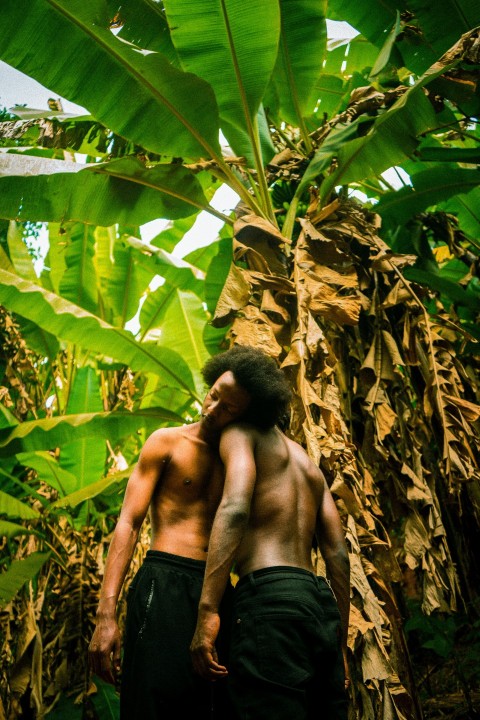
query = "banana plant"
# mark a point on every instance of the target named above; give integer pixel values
(367, 294)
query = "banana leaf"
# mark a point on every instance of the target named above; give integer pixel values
(19, 573)
(135, 92)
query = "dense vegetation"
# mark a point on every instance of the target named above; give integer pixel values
(365, 289)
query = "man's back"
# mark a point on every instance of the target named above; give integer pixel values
(288, 492)
(289, 636)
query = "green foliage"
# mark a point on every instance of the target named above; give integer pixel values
(107, 342)
(19, 573)
(453, 638)
(66, 709)
(435, 632)
(105, 701)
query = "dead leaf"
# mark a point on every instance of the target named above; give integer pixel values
(252, 327)
(470, 411)
(385, 419)
(234, 296)
(387, 261)
(323, 274)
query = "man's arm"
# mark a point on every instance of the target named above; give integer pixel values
(237, 448)
(332, 544)
(105, 645)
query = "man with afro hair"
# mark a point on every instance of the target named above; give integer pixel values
(289, 629)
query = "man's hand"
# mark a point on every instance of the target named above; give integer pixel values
(104, 650)
(202, 648)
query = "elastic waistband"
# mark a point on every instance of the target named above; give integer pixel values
(276, 572)
(178, 561)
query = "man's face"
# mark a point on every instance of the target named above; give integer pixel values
(225, 402)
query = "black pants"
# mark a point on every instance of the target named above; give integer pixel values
(285, 659)
(158, 682)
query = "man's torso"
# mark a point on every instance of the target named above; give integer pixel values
(187, 494)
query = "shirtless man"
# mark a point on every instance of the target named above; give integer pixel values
(179, 480)
(289, 633)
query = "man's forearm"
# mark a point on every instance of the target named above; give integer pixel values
(118, 561)
(338, 573)
(226, 536)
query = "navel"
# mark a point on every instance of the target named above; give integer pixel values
(187, 481)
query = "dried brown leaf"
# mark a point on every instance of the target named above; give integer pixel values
(398, 295)
(357, 626)
(469, 410)
(386, 261)
(385, 419)
(417, 491)
(234, 296)
(324, 274)
(327, 303)
(375, 663)
(252, 327)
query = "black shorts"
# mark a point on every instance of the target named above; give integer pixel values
(285, 658)
(158, 681)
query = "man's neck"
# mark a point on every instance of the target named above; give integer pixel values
(206, 435)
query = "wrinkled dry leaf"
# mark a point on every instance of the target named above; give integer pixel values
(385, 419)
(252, 327)
(234, 296)
(385, 261)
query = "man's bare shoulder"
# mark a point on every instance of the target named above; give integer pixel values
(161, 441)
(240, 428)
(302, 455)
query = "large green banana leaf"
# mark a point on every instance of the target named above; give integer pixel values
(451, 290)
(20, 572)
(9, 529)
(127, 280)
(302, 49)
(467, 209)
(429, 187)
(54, 266)
(54, 432)
(111, 483)
(48, 470)
(84, 458)
(443, 24)
(136, 93)
(19, 255)
(430, 30)
(78, 282)
(38, 339)
(233, 47)
(218, 273)
(70, 322)
(202, 257)
(143, 23)
(176, 271)
(123, 191)
(14, 508)
(156, 305)
(7, 419)
(371, 19)
(186, 311)
(106, 700)
(442, 154)
(173, 234)
(344, 58)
